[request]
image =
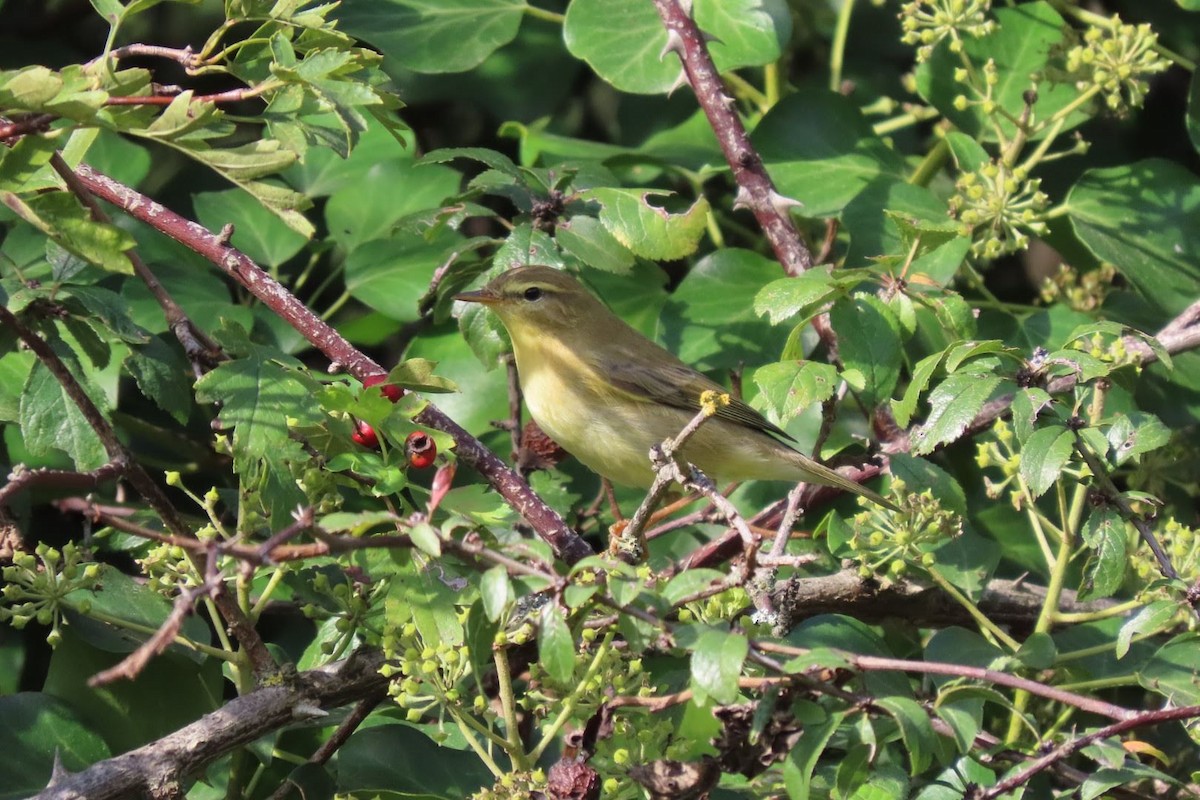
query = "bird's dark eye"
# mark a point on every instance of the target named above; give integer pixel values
(533, 293)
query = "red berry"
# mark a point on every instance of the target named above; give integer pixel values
(389, 390)
(365, 435)
(420, 449)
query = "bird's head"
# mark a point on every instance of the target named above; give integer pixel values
(537, 300)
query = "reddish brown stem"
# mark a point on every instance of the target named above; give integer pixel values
(543, 519)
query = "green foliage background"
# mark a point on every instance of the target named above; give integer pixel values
(1005, 202)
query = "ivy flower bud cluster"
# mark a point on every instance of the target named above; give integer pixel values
(1081, 291)
(425, 676)
(36, 592)
(886, 543)
(999, 452)
(1114, 59)
(927, 22)
(515, 786)
(996, 205)
(1182, 545)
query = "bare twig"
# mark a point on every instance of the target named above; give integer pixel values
(881, 664)
(22, 479)
(132, 665)
(1075, 745)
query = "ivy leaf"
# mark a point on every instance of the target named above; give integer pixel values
(1140, 217)
(954, 403)
(649, 231)
(1105, 535)
(587, 239)
(1156, 616)
(919, 739)
(1171, 672)
(1044, 456)
(820, 150)
(257, 232)
(802, 760)
(556, 646)
(789, 387)
(434, 35)
(717, 664)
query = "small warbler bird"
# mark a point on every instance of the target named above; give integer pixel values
(608, 394)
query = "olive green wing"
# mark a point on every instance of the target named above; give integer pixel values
(676, 384)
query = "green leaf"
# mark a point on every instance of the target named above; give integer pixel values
(38, 731)
(1022, 46)
(622, 39)
(1027, 405)
(1136, 433)
(820, 151)
(647, 230)
(556, 645)
(400, 760)
(717, 664)
(257, 232)
(968, 153)
(953, 404)
(689, 582)
(904, 408)
(1174, 671)
(131, 606)
(802, 760)
(1155, 617)
(1140, 218)
(434, 35)
(1038, 651)
(391, 275)
(804, 294)
(60, 216)
(51, 421)
(919, 475)
(868, 341)
(587, 239)
(1044, 456)
(397, 188)
(129, 714)
(709, 320)
(787, 388)
(425, 537)
(161, 374)
(495, 590)
(1105, 534)
(416, 374)
(258, 394)
(915, 730)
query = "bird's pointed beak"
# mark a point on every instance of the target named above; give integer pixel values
(484, 296)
